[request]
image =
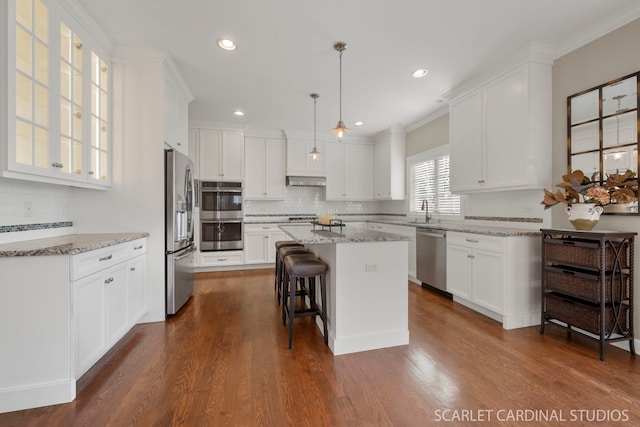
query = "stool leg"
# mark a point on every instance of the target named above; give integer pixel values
(279, 278)
(292, 307)
(284, 279)
(323, 316)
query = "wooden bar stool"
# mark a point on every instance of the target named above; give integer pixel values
(282, 244)
(298, 266)
(283, 252)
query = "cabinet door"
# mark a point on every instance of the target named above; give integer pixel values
(232, 156)
(505, 130)
(136, 278)
(255, 165)
(182, 126)
(299, 163)
(170, 116)
(335, 172)
(89, 321)
(194, 152)
(274, 165)
(489, 280)
(382, 171)
(459, 261)
(210, 148)
(100, 141)
(466, 153)
(115, 283)
(255, 251)
(275, 236)
(358, 172)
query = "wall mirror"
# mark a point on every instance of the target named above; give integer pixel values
(602, 125)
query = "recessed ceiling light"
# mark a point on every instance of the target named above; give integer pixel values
(227, 44)
(238, 113)
(420, 73)
(358, 123)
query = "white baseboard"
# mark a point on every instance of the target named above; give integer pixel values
(35, 396)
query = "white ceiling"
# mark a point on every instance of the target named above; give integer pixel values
(285, 51)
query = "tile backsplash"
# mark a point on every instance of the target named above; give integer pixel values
(30, 210)
(311, 201)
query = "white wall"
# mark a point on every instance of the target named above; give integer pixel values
(611, 56)
(135, 201)
(50, 204)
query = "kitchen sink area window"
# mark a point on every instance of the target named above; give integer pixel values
(429, 180)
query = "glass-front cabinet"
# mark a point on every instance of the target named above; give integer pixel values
(57, 97)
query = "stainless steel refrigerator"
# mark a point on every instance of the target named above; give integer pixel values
(179, 245)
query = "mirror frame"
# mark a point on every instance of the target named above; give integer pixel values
(600, 120)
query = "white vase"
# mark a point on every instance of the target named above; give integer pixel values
(583, 216)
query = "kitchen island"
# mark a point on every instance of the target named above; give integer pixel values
(367, 285)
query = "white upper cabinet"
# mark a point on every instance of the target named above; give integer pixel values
(389, 161)
(349, 171)
(299, 163)
(176, 107)
(56, 89)
(501, 132)
(264, 160)
(221, 155)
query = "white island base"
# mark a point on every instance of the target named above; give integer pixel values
(367, 294)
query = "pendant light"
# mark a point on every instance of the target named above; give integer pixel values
(314, 154)
(340, 129)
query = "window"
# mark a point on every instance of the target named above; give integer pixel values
(429, 180)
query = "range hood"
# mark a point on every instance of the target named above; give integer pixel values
(306, 181)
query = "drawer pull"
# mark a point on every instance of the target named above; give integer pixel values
(472, 241)
(138, 247)
(109, 280)
(133, 269)
(470, 256)
(105, 258)
(222, 259)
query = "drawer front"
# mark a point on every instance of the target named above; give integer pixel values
(479, 241)
(584, 285)
(91, 262)
(214, 259)
(394, 229)
(585, 316)
(137, 247)
(582, 253)
(265, 228)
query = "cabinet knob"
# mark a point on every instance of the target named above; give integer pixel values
(137, 247)
(103, 128)
(179, 144)
(481, 181)
(470, 256)
(78, 46)
(109, 280)
(78, 114)
(105, 258)
(90, 172)
(133, 269)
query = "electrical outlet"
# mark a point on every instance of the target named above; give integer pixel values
(28, 209)
(370, 268)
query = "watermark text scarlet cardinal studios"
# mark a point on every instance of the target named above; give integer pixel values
(531, 415)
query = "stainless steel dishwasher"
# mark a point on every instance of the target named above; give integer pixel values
(431, 257)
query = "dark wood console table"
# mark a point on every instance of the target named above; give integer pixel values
(587, 283)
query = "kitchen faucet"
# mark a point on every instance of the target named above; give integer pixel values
(425, 208)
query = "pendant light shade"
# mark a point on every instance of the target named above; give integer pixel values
(314, 154)
(340, 130)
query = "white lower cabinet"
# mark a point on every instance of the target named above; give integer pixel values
(259, 243)
(108, 298)
(402, 230)
(497, 276)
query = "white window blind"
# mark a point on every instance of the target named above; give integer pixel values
(429, 180)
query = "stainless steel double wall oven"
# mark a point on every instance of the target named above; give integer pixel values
(221, 216)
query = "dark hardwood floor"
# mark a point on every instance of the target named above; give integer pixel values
(223, 361)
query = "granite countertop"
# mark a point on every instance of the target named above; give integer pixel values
(467, 228)
(70, 244)
(305, 233)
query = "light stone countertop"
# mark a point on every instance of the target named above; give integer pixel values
(305, 233)
(448, 226)
(70, 244)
